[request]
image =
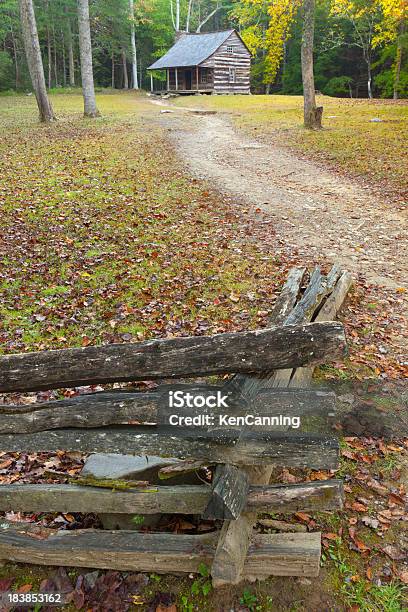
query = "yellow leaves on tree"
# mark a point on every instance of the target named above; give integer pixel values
(383, 15)
(394, 13)
(281, 15)
(266, 29)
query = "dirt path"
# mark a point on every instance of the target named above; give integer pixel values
(321, 214)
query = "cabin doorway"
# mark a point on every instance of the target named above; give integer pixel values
(188, 80)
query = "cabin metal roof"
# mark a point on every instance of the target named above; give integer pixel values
(191, 50)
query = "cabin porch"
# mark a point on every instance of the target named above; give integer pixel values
(193, 79)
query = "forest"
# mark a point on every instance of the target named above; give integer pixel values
(360, 46)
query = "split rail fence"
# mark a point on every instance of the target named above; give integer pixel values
(267, 365)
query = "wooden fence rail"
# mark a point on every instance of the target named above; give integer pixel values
(182, 499)
(250, 351)
(267, 365)
(256, 448)
(124, 407)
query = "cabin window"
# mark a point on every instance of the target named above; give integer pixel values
(205, 75)
(230, 49)
(231, 75)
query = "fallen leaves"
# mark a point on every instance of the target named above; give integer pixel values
(357, 507)
(394, 499)
(394, 553)
(129, 259)
(357, 544)
(403, 576)
(370, 522)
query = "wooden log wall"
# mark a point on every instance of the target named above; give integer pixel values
(222, 60)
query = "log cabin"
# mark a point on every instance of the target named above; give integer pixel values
(213, 62)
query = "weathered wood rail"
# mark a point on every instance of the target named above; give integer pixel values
(290, 307)
(267, 365)
(182, 499)
(250, 351)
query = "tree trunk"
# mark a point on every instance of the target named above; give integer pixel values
(85, 48)
(64, 64)
(55, 57)
(71, 66)
(49, 58)
(190, 6)
(113, 71)
(398, 64)
(312, 114)
(177, 15)
(369, 79)
(135, 83)
(204, 21)
(34, 59)
(124, 68)
(398, 60)
(15, 55)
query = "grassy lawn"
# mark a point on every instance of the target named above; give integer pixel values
(350, 142)
(105, 238)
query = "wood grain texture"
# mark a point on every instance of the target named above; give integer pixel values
(221, 446)
(302, 377)
(249, 385)
(129, 407)
(183, 499)
(236, 535)
(228, 495)
(249, 351)
(282, 555)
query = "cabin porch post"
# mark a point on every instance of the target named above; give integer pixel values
(197, 78)
(151, 82)
(168, 78)
(176, 75)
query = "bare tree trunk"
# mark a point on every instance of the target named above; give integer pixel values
(369, 79)
(397, 71)
(34, 59)
(49, 58)
(135, 83)
(71, 66)
(312, 114)
(124, 68)
(113, 71)
(398, 60)
(55, 57)
(15, 55)
(204, 21)
(177, 15)
(85, 48)
(64, 64)
(190, 6)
